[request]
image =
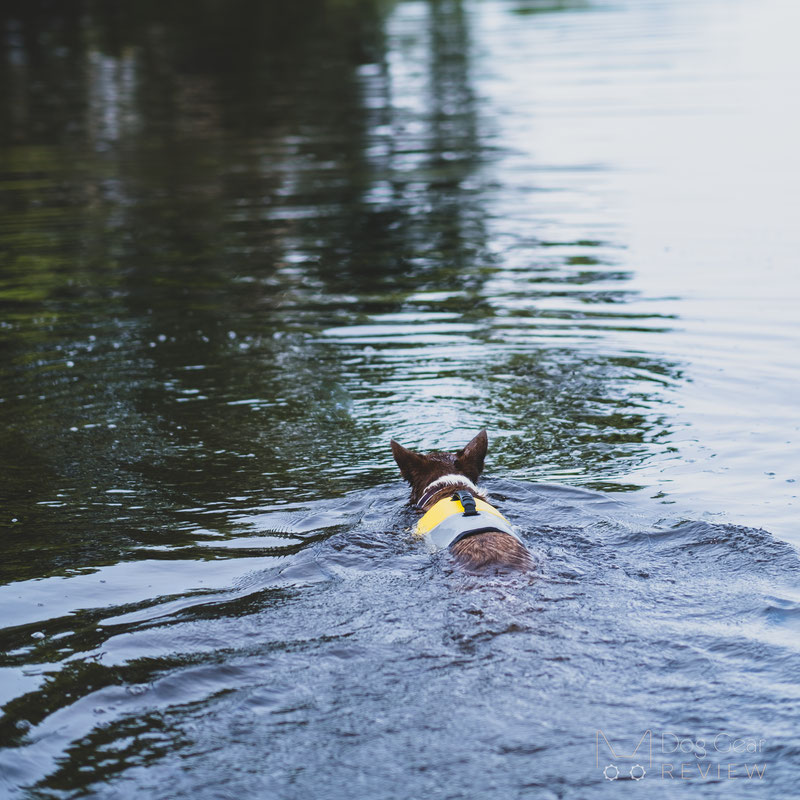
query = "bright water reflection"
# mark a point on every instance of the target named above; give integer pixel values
(241, 249)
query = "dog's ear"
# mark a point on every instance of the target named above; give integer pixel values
(410, 463)
(469, 461)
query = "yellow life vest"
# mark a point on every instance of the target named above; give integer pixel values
(448, 520)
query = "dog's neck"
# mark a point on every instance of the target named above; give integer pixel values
(445, 485)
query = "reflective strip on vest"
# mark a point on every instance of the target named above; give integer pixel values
(444, 523)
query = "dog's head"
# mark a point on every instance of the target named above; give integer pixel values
(420, 470)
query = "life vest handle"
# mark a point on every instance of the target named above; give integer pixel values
(468, 501)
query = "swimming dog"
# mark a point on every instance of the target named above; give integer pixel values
(456, 514)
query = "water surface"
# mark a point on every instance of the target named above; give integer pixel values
(241, 249)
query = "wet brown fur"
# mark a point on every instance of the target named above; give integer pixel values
(485, 550)
(482, 550)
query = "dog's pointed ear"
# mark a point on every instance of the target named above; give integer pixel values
(410, 463)
(470, 459)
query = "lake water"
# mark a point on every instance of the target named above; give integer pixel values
(242, 247)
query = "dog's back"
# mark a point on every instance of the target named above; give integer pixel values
(491, 549)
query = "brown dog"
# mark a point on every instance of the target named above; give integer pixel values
(456, 514)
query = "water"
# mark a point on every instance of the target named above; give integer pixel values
(242, 249)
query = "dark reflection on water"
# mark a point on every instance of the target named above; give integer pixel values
(242, 245)
(237, 257)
